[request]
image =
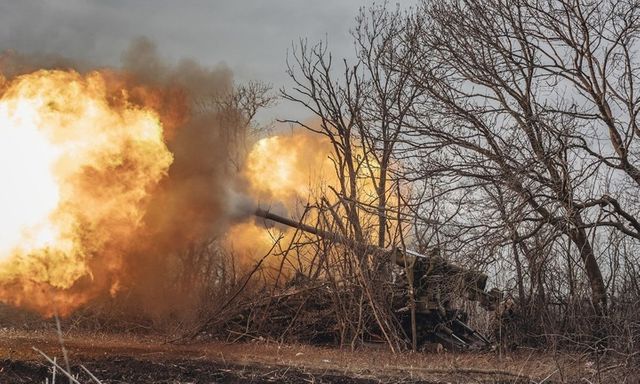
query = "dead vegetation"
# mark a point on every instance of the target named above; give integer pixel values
(116, 358)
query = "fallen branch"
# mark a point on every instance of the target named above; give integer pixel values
(90, 374)
(69, 375)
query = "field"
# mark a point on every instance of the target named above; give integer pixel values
(134, 359)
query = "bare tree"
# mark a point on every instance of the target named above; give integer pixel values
(513, 123)
(383, 45)
(236, 111)
(361, 109)
(494, 111)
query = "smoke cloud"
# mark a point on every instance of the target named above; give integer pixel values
(195, 201)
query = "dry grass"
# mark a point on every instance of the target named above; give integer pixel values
(367, 362)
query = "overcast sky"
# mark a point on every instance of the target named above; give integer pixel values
(250, 36)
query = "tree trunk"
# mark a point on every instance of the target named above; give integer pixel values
(598, 289)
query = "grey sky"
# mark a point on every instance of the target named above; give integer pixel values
(250, 36)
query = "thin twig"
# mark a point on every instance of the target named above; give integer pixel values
(71, 378)
(204, 325)
(548, 376)
(61, 341)
(90, 374)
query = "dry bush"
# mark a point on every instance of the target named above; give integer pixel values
(336, 296)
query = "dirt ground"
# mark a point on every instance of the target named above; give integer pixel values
(134, 359)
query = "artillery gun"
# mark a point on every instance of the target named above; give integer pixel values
(436, 285)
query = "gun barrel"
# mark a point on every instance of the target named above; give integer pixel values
(265, 214)
(474, 281)
(334, 237)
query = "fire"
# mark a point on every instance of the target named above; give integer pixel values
(78, 162)
(299, 168)
(87, 200)
(289, 167)
(285, 172)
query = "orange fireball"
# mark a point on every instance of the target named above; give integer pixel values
(77, 165)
